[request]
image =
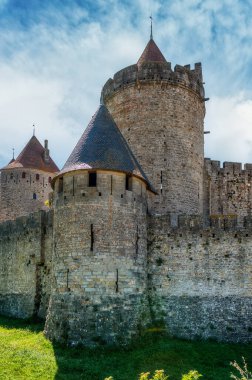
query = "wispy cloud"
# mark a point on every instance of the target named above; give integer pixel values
(56, 55)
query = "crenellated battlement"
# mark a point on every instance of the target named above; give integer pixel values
(228, 168)
(158, 73)
(216, 224)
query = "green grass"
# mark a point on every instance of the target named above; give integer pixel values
(26, 354)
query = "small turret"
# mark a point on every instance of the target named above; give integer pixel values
(26, 181)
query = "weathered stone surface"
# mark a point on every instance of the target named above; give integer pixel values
(160, 112)
(200, 280)
(23, 191)
(99, 262)
(25, 264)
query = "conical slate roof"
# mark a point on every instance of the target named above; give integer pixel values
(102, 146)
(151, 53)
(32, 157)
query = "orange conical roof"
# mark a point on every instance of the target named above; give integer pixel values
(32, 157)
(151, 53)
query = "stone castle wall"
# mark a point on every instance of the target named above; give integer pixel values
(99, 264)
(200, 279)
(228, 190)
(23, 191)
(195, 281)
(160, 112)
(25, 265)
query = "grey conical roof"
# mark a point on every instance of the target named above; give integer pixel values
(102, 146)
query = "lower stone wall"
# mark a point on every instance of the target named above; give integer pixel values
(200, 281)
(25, 262)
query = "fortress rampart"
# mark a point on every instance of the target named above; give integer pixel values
(25, 265)
(162, 239)
(228, 189)
(200, 279)
(194, 280)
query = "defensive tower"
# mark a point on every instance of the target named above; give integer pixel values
(100, 246)
(160, 112)
(26, 181)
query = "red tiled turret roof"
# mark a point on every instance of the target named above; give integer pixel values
(32, 157)
(151, 53)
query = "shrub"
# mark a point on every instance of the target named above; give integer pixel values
(243, 371)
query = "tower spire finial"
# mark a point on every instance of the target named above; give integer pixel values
(13, 153)
(33, 125)
(151, 36)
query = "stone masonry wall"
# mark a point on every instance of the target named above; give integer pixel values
(200, 280)
(228, 190)
(23, 191)
(160, 112)
(99, 264)
(25, 262)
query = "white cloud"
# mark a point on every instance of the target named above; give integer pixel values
(52, 74)
(230, 123)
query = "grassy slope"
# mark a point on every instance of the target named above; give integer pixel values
(25, 354)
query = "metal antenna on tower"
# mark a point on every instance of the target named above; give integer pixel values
(151, 36)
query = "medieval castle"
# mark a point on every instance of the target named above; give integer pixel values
(139, 229)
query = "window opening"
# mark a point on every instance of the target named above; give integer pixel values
(116, 283)
(92, 179)
(34, 196)
(60, 187)
(23, 175)
(37, 177)
(161, 182)
(128, 182)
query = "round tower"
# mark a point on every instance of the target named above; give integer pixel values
(160, 112)
(99, 262)
(26, 181)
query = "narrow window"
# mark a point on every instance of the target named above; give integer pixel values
(67, 280)
(60, 186)
(91, 237)
(50, 179)
(11, 176)
(116, 283)
(37, 177)
(137, 240)
(92, 179)
(34, 196)
(23, 175)
(161, 182)
(128, 182)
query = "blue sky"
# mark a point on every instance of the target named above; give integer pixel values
(55, 56)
